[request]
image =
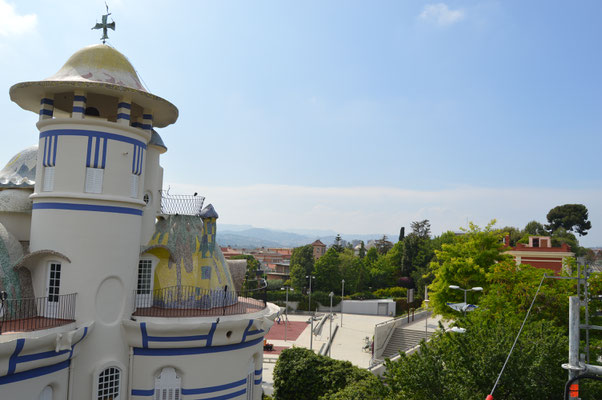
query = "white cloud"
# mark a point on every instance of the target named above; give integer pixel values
(385, 209)
(13, 24)
(441, 14)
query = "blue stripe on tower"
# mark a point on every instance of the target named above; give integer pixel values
(96, 150)
(44, 163)
(104, 152)
(123, 116)
(48, 101)
(44, 111)
(124, 105)
(147, 116)
(88, 152)
(78, 110)
(79, 98)
(49, 151)
(140, 161)
(134, 158)
(56, 143)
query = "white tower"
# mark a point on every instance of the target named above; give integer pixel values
(89, 205)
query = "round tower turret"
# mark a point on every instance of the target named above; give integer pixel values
(97, 172)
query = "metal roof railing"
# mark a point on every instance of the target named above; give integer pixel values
(172, 204)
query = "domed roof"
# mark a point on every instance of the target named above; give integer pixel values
(100, 69)
(20, 172)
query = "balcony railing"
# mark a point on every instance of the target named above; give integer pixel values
(24, 315)
(172, 204)
(190, 301)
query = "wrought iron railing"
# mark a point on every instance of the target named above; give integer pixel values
(24, 315)
(191, 301)
(172, 204)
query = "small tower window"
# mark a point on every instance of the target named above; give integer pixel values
(147, 198)
(134, 184)
(48, 185)
(94, 180)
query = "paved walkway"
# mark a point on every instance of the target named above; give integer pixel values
(347, 345)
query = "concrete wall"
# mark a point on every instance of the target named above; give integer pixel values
(369, 307)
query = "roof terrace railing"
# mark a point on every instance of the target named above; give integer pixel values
(31, 314)
(191, 301)
(172, 204)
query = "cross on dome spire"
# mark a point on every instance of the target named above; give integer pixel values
(104, 25)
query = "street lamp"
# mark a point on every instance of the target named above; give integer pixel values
(286, 310)
(311, 333)
(342, 295)
(474, 289)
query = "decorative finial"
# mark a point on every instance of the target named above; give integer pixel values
(104, 25)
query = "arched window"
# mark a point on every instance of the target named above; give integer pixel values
(109, 384)
(46, 393)
(168, 385)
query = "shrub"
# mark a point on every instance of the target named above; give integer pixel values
(370, 388)
(362, 296)
(391, 292)
(300, 374)
(324, 299)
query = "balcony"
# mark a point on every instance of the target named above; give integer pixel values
(190, 301)
(32, 314)
(172, 204)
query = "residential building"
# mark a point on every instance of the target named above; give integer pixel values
(538, 252)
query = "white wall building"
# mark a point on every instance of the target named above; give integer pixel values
(113, 289)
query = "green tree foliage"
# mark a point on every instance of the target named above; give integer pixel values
(327, 272)
(354, 271)
(302, 264)
(383, 245)
(466, 263)
(533, 228)
(421, 228)
(300, 374)
(370, 388)
(362, 252)
(337, 243)
(511, 289)
(572, 217)
(465, 366)
(371, 256)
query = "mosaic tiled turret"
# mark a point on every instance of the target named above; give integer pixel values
(190, 259)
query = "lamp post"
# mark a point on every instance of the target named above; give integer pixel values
(311, 315)
(342, 295)
(474, 289)
(286, 310)
(331, 295)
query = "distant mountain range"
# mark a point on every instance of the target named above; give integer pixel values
(247, 236)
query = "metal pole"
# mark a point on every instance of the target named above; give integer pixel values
(573, 336)
(426, 320)
(286, 315)
(330, 336)
(342, 295)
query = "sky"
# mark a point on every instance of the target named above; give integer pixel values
(352, 116)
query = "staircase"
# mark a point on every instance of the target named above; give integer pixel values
(402, 340)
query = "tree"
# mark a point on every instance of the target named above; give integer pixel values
(465, 366)
(327, 272)
(337, 243)
(534, 228)
(300, 374)
(421, 228)
(362, 252)
(572, 217)
(383, 245)
(302, 264)
(354, 271)
(466, 263)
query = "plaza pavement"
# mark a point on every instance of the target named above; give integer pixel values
(347, 345)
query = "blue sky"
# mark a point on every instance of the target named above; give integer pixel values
(354, 116)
